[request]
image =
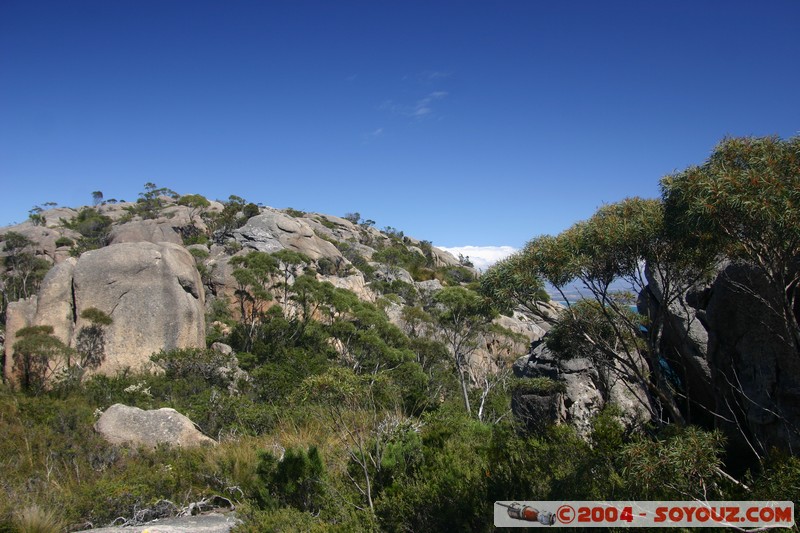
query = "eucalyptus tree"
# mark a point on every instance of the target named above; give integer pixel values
(510, 284)
(254, 278)
(461, 315)
(23, 271)
(623, 244)
(150, 204)
(195, 202)
(744, 202)
(37, 356)
(290, 264)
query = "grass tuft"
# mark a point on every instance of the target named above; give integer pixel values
(35, 519)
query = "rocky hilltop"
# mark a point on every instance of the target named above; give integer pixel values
(160, 266)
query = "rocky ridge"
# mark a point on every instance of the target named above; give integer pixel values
(157, 279)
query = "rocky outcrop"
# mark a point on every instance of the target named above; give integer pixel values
(272, 231)
(340, 229)
(537, 409)
(355, 283)
(54, 216)
(547, 314)
(684, 343)
(55, 302)
(522, 324)
(733, 355)
(19, 314)
(755, 368)
(391, 273)
(429, 287)
(152, 292)
(365, 239)
(44, 240)
(144, 231)
(444, 259)
(124, 425)
(501, 345)
(584, 390)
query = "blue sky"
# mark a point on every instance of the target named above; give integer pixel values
(462, 122)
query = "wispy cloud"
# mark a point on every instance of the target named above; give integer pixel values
(481, 256)
(425, 105)
(372, 136)
(437, 75)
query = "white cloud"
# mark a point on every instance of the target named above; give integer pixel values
(377, 132)
(481, 256)
(438, 75)
(423, 106)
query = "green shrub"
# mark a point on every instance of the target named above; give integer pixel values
(405, 290)
(682, 462)
(448, 490)
(326, 267)
(541, 386)
(284, 519)
(295, 480)
(454, 275)
(193, 235)
(778, 479)
(296, 213)
(327, 223)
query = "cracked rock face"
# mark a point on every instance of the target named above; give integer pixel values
(152, 292)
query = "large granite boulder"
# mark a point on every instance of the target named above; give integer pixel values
(429, 287)
(389, 273)
(272, 231)
(152, 292)
(19, 314)
(144, 231)
(121, 424)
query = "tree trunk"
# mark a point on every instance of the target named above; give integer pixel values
(464, 386)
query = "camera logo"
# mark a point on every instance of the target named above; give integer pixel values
(517, 511)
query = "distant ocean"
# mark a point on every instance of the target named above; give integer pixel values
(576, 293)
